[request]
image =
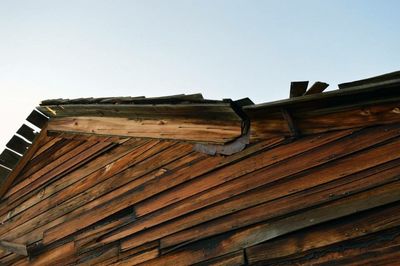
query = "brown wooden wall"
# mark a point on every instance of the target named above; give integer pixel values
(324, 198)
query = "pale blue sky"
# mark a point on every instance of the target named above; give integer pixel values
(224, 49)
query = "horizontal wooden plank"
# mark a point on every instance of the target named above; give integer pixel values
(87, 239)
(311, 123)
(95, 168)
(165, 170)
(4, 172)
(249, 181)
(43, 212)
(234, 259)
(59, 172)
(47, 142)
(139, 258)
(203, 112)
(13, 247)
(134, 184)
(85, 137)
(16, 203)
(251, 164)
(12, 259)
(97, 257)
(146, 190)
(277, 198)
(251, 199)
(49, 159)
(380, 248)
(58, 166)
(326, 234)
(60, 255)
(46, 203)
(336, 98)
(227, 243)
(90, 192)
(381, 80)
(108, 186)
(160, 129)
(287, 204)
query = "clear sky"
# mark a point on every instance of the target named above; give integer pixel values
(224, 49)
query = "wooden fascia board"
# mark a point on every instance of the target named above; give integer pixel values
(318, 122)
(215, 112)
(331, 97)
(24, 143)
(183, 130)
(22, 162)
(216, 123)
(317, 113)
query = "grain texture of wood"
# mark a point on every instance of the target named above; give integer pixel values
(234, 259)
(81, 155)
(235, 187)
(13, 247)
(231, 242)
(69, 206)
(148, 189)
(230, 172)
(197, 131)
(327, 195)
(36, 196)
(372, 249)
(41, 212)
(211, 112)
(276, 207)
(321, 121)
(326, 234)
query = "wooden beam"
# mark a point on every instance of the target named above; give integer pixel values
(317, 87)
(14, 248)
(9, 158)
(4, 172)
(22, 162)
(324, 120)
(236, 240)
(298, 88)
(18, 144)
(26, 132)
(37, 119)
(175, 129)
(294, 131)
(369, 222)
(201, 111)
(377, 81)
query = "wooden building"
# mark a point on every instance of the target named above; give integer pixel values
(181, 180)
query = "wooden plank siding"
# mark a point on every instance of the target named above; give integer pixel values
(122, 181)
(162, 203)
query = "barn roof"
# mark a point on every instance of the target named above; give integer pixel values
(202, 132)
(308, 110)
